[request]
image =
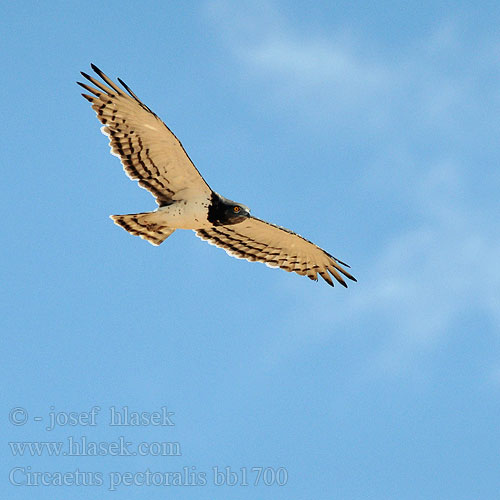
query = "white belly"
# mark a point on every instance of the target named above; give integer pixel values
(185, 215)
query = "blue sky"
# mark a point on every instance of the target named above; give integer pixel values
(371, 129)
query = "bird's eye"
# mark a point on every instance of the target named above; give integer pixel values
(236, 210)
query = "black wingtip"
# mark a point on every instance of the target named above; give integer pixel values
(341, 281)
(99, 72)
(95, 68)
(328, 279)
(337, 260)
(343, 263)
(127, 88)
(85, 75)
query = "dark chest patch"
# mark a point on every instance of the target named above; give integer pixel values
(220, 212)
(216, 210)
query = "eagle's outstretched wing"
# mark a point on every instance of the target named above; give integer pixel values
(258, 240)
(149, 151)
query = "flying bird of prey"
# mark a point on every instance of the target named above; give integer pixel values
(152, 155)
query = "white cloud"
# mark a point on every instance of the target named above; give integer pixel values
(433, 104)
(429, 80)
(415, 291)
(262, 40)
(317, 62)
(425, 280)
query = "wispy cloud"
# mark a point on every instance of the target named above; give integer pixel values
(297, 64)
(418, 288)
(317, 62)
(429, 80)
(430, 276)
(432, 104)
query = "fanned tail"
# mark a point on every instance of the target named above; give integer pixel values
(146, 225)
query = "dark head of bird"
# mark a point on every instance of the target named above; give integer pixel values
(223, 211)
